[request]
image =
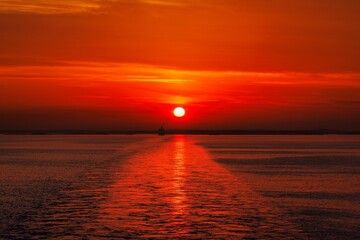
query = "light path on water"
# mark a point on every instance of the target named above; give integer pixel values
(173, 188)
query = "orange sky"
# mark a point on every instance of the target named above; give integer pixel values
(232, 64)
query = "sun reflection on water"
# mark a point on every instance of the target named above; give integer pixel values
(179, 200)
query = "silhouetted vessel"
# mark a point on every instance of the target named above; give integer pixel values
(161, 131)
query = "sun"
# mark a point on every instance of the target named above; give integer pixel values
(179, 112)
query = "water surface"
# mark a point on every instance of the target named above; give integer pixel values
(217, 187)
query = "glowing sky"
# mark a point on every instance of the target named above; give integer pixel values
(232, 64)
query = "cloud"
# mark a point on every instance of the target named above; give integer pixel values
(164, 2)
(353, 103)
(74, 6)
(49, 6)
(129, 72)
(160, 84)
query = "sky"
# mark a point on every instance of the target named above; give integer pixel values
(232, 64)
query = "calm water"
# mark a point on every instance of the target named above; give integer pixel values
(195, 187)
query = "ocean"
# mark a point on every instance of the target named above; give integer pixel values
(179, 187)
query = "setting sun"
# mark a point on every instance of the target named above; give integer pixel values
(179, 112)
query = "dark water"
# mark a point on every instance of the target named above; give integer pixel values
(195, 187)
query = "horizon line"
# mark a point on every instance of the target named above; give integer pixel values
(183, 131)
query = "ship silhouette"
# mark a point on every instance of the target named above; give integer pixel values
(161, 131)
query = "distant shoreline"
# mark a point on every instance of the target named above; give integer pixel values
(190, 132)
